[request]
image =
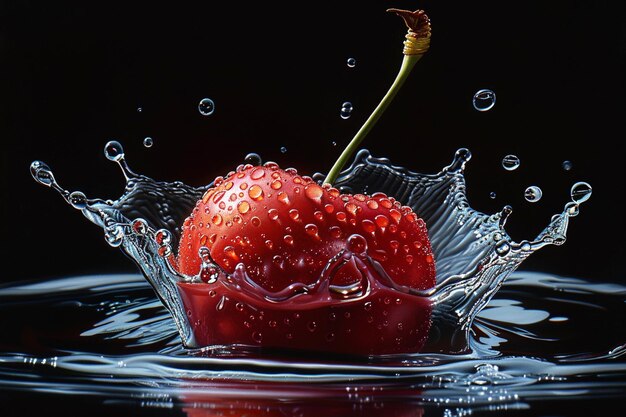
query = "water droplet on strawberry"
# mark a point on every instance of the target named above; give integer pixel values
(312, 230)
(357, 244)
(288, 239)
(314, 192)
(276, 184)
(283, 197)
(272, 214)
(255, 221)
(294, 214)
(256, 193)
(335, 232)
(368, 226)
(243, 207)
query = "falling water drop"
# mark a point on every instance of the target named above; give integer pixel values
(484, 100)
(346, 110)
(492, 195)
(567, 165)
(148, 142)
(351, 62)
(533, 194)
(510, 162)
(580, 192)
(283, 149)
(206, 107)
(139, 109)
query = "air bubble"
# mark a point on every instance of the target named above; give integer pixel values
(533, 194)
(346, 110)
(580, 192)
(510, 162)
(351, 62)
(148, 142)
(206, 107)
(484, 100)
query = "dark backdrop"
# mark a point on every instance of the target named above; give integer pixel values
(78, 71)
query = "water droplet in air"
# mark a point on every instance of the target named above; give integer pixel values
(206, 107)
(580, 192)
(492, 195)
(77, 200)
(139, 109)
(113, 150)
(571, 209)
(567, 165)
(333, 143)
(283, 149)
(510, 162)
(148, 142)
(533, 194)
(42, 173)
(484, 100)
(346, 110)
(253, 159)
(351, 62)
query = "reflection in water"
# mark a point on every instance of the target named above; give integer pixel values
(107, 336)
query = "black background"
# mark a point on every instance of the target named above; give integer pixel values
(78, 71)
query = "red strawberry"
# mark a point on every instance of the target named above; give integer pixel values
(284, 229)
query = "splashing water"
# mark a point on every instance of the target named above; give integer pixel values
(474, 254)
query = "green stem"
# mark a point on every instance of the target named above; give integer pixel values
(408, 63)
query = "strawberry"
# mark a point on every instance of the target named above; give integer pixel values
(284, 229)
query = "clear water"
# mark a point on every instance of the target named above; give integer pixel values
(500, 339)
(108, 338)
(474, 255)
